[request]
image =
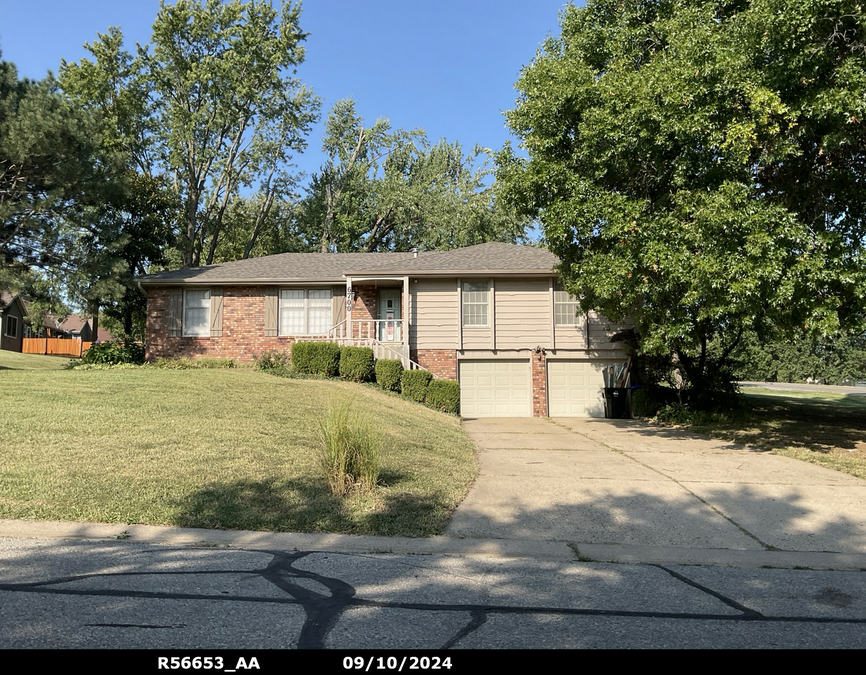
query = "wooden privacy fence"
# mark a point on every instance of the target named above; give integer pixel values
(54, 346)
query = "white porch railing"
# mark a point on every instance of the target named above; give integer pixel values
(383, 330)
(367, 333)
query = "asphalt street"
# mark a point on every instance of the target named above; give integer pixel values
(133, 595)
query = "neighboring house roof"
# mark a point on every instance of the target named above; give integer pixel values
(71, 324)
(75, 324)
(7, 298)
(332, 267)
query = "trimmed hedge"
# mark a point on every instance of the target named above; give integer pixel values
(356, 364)
(389, 373)
(316, 358)
(114, 352)
(444, 395)
(414, 384)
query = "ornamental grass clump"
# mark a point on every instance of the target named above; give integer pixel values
(349, 451)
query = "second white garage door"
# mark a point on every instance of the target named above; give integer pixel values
(495, 389)
(575, 388)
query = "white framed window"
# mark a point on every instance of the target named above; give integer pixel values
(12, 326)
(565, 307)
(305, 311)
(196, 313)
(476, 303)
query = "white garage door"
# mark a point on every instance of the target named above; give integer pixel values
(495, 389)
(575, 388)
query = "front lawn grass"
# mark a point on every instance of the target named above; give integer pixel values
(18, 361)
(227, 449)
(825, 428)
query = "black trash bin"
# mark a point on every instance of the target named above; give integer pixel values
(616, 403)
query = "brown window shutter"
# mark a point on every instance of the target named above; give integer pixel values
(338, 305)
(271, 312)
(175, 312)
(216, 311)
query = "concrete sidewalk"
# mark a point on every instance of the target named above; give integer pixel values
(608, 485)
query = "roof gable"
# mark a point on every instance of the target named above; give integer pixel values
(7, 298)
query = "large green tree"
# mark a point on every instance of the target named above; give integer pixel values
(699, 165)
(390, 189)
(49, 167)
(211, 105)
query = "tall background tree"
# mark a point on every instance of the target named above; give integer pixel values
(211, 108)
(390, 189)
(699, 166)
(49, 167)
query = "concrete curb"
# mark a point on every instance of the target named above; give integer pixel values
(447, 546)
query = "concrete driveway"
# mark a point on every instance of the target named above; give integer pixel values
(608, 486)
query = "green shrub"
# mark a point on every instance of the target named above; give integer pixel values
(316, 358)
(644, 403)
(273, 361)
(348, 451)
(389, 373)
(356, 364)
(414, 384)
(444, 395)
(114, 352)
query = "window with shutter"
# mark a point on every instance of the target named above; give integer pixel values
(196, 313)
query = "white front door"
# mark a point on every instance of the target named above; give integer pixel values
(390, 313)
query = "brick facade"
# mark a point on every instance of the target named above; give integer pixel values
(539, 384)
(365, 306)
(243, 328)
(441, 362)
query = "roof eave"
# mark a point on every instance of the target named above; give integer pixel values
(239, 282)
(451, 273)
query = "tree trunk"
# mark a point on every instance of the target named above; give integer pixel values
(94, 322)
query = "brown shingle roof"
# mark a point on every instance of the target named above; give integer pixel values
(309, 267)
(283, 267)
(490, 257)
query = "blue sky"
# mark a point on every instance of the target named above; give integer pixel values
(446, 66)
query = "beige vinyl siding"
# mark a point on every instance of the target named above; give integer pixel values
(522, 313)
(476, 337)
(601, 330)
(571, 337)
(434, 314)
